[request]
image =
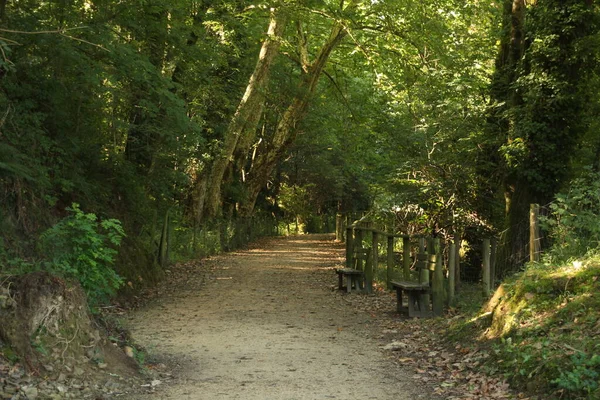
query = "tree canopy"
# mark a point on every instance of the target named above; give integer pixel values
(448, 115)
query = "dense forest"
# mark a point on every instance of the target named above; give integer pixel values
(170, 127)
(138, 134)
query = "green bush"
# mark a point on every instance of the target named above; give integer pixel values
(584, 378)
(574, 223)
(83, 247)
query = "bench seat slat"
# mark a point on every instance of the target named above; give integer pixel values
(353, 276)
(413, 290)
(405, 285)
(349, 271)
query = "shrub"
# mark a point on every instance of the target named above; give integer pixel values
(83, 247)
(574, 223)
(584, 378)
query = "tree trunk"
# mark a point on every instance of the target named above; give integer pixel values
(141, 140)
(511, 52)
(286, 130)
(538, 123)
(198, 197)
(2, 10)
(245, 120)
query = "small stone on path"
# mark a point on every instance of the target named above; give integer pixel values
(395, 346)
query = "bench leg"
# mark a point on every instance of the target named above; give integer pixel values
(341, 281)
(348, 283)
(399, 300)
(413, 300)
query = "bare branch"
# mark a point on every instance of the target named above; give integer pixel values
(6, 60)
(85, 41)
(10, 41)
(60, 31)
(345, 100)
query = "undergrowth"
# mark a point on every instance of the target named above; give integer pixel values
(542, 329)
(81, 247)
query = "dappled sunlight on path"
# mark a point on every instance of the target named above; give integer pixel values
(265, 324)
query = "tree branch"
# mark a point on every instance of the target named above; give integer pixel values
(302, 47)
(345, 101)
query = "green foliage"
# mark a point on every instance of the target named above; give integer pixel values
(545, 97)
(520, 361)
(39, 346)
(116, 110)
(82, 247)
(295, 201)
(542, 92)
(11, 264)
(139, 356)
(8, 353)
(574, 223)
(584, 378)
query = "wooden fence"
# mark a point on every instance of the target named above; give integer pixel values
(180, 242)
(386, 257)
(419, 258)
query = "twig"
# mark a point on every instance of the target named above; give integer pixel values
(6, 60)
(9, 41)
(344, 99)
(566, 346)
(35, 371)
(2, 121)
(68, 342)
(85, 41)
(60, 31)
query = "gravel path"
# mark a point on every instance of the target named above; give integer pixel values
(265, 323)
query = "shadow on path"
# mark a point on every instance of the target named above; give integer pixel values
(264, 323)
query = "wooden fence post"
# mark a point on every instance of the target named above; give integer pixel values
(432, 256)
(423, 273)
(437, 285)
(486, 267)
(349, 247)
(375, 251)
(534, 233)
(493, 255)
(390, 261)
(339, 227)
(451, 272)
(358, 246)
(406, 257)
(457, 242)
(358, 236)
(163, 248)
(369, 270)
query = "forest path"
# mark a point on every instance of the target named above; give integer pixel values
(264, 323)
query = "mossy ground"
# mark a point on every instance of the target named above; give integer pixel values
(541, 328)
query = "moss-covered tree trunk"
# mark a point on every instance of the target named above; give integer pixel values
(538, 101)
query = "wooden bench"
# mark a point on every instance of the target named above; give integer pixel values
(353, 277)
(414, 291)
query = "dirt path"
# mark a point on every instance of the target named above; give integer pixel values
(265, 324)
